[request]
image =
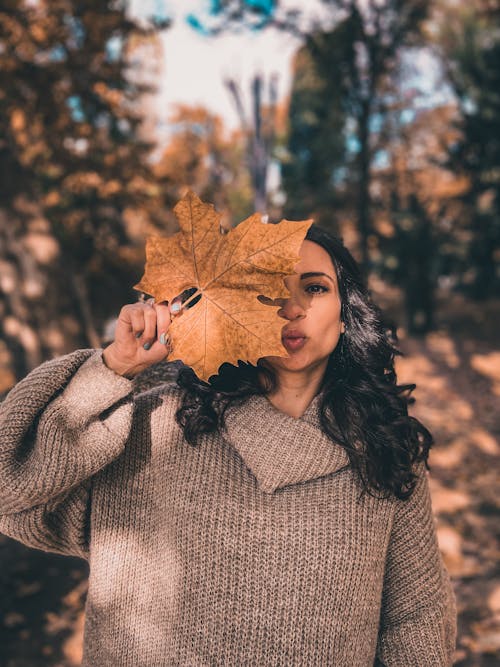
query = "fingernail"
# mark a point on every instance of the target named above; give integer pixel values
(163, 340)
(146, 346)
(138, 334)
(175, 307)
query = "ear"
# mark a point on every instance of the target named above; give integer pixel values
(342, 327)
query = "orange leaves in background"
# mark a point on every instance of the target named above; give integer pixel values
(229, 272)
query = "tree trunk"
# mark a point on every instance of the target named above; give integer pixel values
(364, 221)
(81, 293)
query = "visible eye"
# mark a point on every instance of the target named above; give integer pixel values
(316, 289)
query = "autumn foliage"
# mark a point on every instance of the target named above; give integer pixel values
(229, 272)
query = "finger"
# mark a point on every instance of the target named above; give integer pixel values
(149, 334)
(163, 319)
(136, 317)
(175, 306)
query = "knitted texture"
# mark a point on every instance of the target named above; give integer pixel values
(254, 548)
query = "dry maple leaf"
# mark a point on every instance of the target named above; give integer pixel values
(229, 272)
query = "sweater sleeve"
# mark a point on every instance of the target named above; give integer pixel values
(59, 426)
(418, 622)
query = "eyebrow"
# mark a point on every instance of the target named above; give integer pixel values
(315, 274)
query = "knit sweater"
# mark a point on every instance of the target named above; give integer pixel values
(253, 549)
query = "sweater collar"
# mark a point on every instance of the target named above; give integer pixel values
(281, 450)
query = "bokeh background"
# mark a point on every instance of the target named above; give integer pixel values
(378, 118)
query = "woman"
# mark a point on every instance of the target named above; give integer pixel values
(279, 515)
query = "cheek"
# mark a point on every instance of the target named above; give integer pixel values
(331, 339)
(330, 329)
(330, 319)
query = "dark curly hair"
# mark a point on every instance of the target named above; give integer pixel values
(362, 408)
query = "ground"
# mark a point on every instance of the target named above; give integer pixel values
(457, 371)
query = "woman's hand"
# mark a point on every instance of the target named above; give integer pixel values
(141, 337)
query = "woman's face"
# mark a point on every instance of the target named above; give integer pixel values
(312, 313)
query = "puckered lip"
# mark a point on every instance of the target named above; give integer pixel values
(292, 333)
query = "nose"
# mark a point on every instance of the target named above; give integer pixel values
(290, 309)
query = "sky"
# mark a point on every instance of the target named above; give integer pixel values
(195, 66)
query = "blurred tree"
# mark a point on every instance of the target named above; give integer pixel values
(77, 190)
(470, 46)
(259, 130)
(258, 134)
(358, 56)
(221, 15)
(315, 160)
(416, 244)
(202, 157)
(416, 240)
